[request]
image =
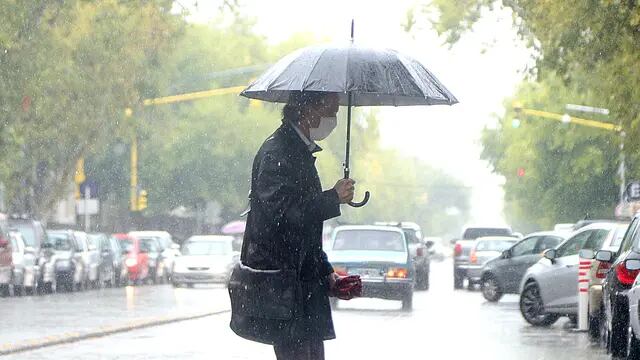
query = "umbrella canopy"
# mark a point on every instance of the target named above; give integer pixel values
(373, 77)
(234, 227)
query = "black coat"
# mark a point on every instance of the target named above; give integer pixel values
(288, 208)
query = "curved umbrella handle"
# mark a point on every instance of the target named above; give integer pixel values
(362, 203)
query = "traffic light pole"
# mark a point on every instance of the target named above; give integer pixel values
(134, 175)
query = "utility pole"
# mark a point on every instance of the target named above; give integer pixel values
(134, 174)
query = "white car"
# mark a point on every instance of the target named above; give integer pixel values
(205, 259)
(24, 265)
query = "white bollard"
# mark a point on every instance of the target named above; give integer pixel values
(583, 294)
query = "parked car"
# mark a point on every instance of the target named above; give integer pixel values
(25, 263)
(6, 264)
(596, 275)
(503, 275)
(633, 342)
(107, 257)
(485, 249)
(136, 258)
(615, 288)
(549, 289)
(90, 259)
(205, 259)
(66, 261)
(462, 249)
(157, 270)
(169, 248)
(380, 255)
(35, 236)
(419, 250)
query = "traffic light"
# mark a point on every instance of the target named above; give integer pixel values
(515, 123)
(521, 172)
(142, 200)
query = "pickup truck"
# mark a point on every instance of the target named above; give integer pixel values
(463, 246)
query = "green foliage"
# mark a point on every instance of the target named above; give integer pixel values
(78, 64)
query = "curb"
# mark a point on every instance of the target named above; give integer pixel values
(70, 337)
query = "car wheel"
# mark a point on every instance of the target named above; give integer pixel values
(633, 345)
(48, 288)
(4, 290)
(594, 328)
(618, 334)
(175, 284)
(18, 290)
(491, 289)
(30, 290)
(426, 281)
(532, 307)
(407, 301)
(458, 280)
(190, 286)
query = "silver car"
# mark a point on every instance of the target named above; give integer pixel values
(205, 259)
(90, 258)
(549, 288)
(633, 335)
(485, 249)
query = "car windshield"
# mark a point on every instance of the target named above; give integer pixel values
(207, 248)
(151, 244)
(28, 233)
(126, 244)
(60, 242)
(375, 240)
(494, 245)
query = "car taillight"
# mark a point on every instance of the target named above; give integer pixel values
(420, 252)
(474, 258)
(457, 250)
(626, 277)
(603, 269)
(340, 270)
(398, 273)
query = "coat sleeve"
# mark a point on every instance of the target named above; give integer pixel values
(277, 190)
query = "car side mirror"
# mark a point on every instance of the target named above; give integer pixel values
(453, 241)
(587, 254)
(632, 264)
(506, 254)
(429, 244)
(604, 256)
(550, 254)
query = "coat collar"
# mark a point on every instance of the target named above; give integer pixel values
(294, 141)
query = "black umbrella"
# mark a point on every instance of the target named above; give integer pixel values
(361, 77)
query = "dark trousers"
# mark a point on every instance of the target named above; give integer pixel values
(305, 350)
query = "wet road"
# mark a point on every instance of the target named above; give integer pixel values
(444, 325)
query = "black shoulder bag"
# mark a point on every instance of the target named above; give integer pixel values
(265, 303)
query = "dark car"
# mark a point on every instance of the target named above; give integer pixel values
(380, 255)
(463, 247)
(34, 234)
(503, 275)
(615, 287)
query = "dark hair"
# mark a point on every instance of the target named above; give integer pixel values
(298, 100)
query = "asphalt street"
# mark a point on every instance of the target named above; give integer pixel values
(445, 324)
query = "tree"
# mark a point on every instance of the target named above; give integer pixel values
(73, 66)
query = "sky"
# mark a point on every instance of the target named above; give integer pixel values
(481, 70)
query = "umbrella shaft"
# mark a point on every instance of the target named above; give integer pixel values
(348, 146)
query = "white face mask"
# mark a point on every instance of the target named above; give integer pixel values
(324, 129)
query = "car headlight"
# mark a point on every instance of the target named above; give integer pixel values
(131, 262)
